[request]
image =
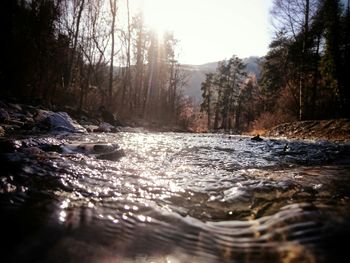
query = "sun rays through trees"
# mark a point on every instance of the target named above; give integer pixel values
(87, 53)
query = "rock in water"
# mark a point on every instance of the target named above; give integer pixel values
(103, 151)
(58, 122)
(114, 155)
(257, 138)
(104, 147)
(105, 127)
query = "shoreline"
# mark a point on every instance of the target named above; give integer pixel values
(334, 130)
(17, 118)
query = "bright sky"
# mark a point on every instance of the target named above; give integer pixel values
(211, 30)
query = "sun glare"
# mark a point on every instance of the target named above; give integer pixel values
(161, 15)
(210, 30)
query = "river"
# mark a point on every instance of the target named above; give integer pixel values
(174, 197)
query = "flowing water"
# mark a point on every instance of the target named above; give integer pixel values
(174, 198)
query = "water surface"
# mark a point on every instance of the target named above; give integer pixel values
(175, 198)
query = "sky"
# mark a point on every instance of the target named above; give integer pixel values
(211, 30)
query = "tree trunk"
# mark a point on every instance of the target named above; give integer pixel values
(316, 79)
(75, 43)
(113, 6)
(216, 120)
(238, 115)
(128, 56)
(209, 112)
(148, 89)
(303, 60)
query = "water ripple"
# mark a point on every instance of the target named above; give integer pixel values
(176, 198)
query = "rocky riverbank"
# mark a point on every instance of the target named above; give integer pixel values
(35, 130)
(332, 130)
(16, 119)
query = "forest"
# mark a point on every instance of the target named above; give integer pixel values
(303, 76)
(81, 54)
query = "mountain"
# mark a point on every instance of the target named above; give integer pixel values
(196, 75)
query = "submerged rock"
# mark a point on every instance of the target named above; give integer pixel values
(112, 156)
(102, 151)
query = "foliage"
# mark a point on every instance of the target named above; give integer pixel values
(228, 96)
(78, 53)
(304, 74)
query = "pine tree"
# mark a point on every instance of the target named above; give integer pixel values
(207, 95)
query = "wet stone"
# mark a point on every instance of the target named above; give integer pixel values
(32, 150)
(16, 107)
(112, 156)
(103, 151)
(90, 128)
(105, 127)
(15, 123)
(101, 148)
(4, 116)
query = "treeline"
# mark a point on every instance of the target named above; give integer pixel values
(88, 53)
(305, 74)
(228, 96)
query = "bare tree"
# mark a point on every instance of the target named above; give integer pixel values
(295, 17)
(93, 46)
(139, 54)
(113, 10)
(79, 6)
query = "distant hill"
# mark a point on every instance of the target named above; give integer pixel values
(196, 75)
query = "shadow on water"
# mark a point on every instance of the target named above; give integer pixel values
(174, 198)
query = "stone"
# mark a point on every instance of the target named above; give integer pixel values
(4, 116)
(257, 138)
(16, 107)
(58, 122)
(102, 151)
(104, 127)
(15, 122)
(9, 128)
(90, 128)
(132, 129)
(32, 150)
(2, 132)
(103, 148)
(112, 156)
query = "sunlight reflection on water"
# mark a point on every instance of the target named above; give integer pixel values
(191, 197)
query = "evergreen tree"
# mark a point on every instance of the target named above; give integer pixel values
(207, 95)
(227, 80)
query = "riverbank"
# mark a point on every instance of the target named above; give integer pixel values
(331, 130)
(18, 118)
